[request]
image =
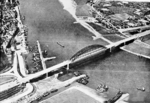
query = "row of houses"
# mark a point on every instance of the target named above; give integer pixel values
(123, 15)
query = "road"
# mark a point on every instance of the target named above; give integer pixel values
(29, 89)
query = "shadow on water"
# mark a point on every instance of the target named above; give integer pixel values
(147, 63)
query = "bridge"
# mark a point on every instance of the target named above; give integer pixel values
(87, 51)
(97, 50)
(134, 37)
(135, 28)
(50, 69)
(136, 47)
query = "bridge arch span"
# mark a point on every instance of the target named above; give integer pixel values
(87, 50)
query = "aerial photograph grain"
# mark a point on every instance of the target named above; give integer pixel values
(75, 51)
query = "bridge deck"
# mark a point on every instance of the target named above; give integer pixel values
(137, 49)
(134, 28)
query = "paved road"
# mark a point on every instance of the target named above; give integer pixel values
(29, 89)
